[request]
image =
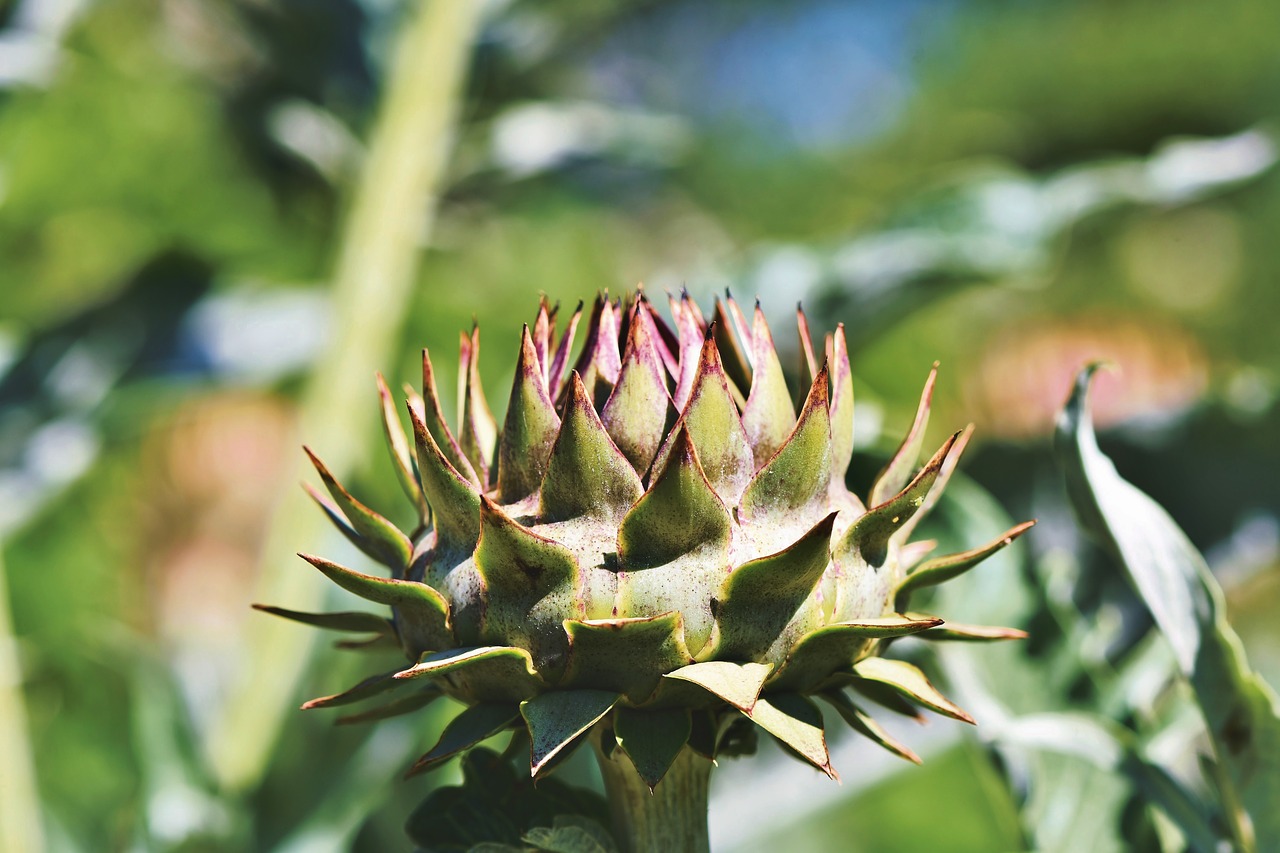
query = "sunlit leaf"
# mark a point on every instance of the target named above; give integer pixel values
(1177, 587)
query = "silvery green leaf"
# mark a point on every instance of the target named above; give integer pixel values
(1185, 601)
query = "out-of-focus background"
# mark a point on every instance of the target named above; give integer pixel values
(209, 241)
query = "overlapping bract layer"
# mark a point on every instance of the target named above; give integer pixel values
(654, 543)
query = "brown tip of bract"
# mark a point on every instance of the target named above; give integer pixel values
(530, 364)
(1018, 530)
(820, 390)
(683, 448)
(709, 354)
(578, 396)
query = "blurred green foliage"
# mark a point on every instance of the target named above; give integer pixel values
(128, 153)
(232, 131)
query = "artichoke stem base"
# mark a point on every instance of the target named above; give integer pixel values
(671, 818)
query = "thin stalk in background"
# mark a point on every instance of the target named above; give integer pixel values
(20, 830)
(390, 214)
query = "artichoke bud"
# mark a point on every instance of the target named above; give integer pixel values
(655, 539)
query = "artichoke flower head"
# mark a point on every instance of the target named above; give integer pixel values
(656, 545)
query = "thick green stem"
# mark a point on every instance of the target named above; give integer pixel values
(671, 818)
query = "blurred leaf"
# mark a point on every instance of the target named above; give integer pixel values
(181, 806)
(1066, 803)
(474, 724)
(358, 789)
(1186, 602)
(1112, 749)
(955, 802)
(493, 805)
(94, 189)
(572, 834)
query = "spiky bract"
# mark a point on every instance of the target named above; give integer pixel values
(652, 544)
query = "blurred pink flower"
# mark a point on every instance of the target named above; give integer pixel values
(1160, 372)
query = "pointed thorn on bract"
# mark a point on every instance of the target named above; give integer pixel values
(1020, 529)
(314, 560)
(684, 446)
(419, 767)
(820, 390)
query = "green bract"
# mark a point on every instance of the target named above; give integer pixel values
(653, 544)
